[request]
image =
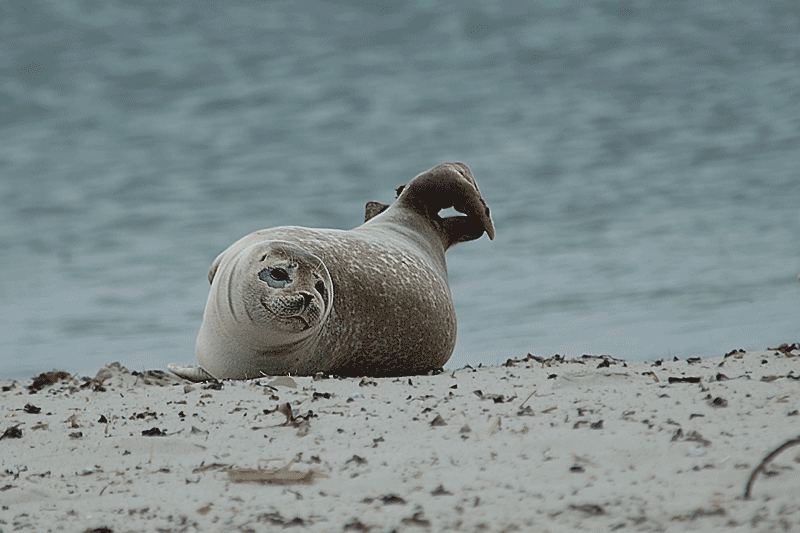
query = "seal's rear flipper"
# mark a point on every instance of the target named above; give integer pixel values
(191, 373)
(450, 185)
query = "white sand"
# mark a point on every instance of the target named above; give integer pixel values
(593, 449)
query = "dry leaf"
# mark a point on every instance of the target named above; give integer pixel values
(280, 476)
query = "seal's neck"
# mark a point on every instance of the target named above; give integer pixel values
(420, 230)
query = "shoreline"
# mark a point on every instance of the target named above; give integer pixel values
(542, 444)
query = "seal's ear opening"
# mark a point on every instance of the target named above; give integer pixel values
(450, 185)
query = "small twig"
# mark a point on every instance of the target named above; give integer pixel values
(770, 456)
(526, 399)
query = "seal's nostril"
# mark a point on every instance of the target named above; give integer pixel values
(307, 298)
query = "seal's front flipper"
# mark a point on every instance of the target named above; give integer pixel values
(191, 373)
(373, 209)
(450, 185)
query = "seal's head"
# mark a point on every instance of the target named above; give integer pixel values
(278, 287)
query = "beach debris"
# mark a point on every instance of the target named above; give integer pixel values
(391, 499)
(213, 385)
(748, 490)
(45, 379)
(556, 359)
(282, 381)
(591, 509)
(576, 469)
(72, 420)
(771, 378)
(604, 357)
(683, 379)
(144, 415)
(552, 376)
(440, 491)
(303, 428)
(693, 360)
(210, 466)
(737, 353)
(148, 377)
(204, 510)
(273, 476)
(367, 382)
(356, 525)
(694, 436)
(417, 519)
(699, 513)
(40, 425)
(12, 432)
(76, 435)
(787, 349)
(651, 374)
(276, 519)
(95, 384)
(719, 401)
(495, 424)
(154, 432)
(438, 421)
(317, 395)
(102, 420)
(293, 418)
(496, 398)
(527, 398)
(32, 409)
(98, 530)
(596, 425)
(356, 459)
(525, 411)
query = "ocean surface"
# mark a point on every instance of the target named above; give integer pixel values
(642, 163)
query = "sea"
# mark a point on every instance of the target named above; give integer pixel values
(641, 160)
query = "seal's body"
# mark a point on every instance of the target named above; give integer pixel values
(373, 300)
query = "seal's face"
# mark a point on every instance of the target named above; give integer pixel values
(284, 287)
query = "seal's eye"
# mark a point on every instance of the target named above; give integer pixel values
(278, 274)
(275, 277)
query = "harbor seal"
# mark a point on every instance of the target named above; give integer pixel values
(370, 301)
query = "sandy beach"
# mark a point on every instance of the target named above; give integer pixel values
(538, 444)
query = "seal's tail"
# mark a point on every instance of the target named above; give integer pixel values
(449, 185)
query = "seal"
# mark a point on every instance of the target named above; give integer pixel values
(370, 301)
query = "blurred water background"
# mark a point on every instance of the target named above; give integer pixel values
(641, 161)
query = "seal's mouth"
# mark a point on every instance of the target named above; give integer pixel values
(300, 321)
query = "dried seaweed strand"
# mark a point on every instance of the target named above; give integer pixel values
(769, 457)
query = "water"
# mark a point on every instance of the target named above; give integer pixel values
(641, 163)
